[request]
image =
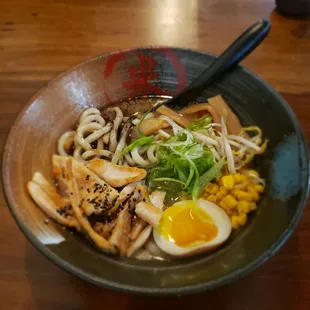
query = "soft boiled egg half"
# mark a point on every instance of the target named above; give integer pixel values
(187, 228)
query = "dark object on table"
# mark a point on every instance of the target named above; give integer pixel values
(293, 7)
(158, 71)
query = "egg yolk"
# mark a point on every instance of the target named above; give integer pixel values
(187, 225)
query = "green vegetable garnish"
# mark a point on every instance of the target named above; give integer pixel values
(200, 123)
(208, 176)
(203, 180)
(181, 164)
(138, 142)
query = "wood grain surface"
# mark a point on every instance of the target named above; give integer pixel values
(41, 38)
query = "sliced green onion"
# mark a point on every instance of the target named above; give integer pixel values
(208, 176)
(146, 140)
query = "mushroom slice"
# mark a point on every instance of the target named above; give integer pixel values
(140, 241)
(232, 122)
(157, 198)
(121, 231)
(76, 202)
(148, 126)
(96, 195)
(197, 110)
(175, 116)
(116, 176)
(149, 213)
(49, 201)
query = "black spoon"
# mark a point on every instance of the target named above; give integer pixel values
(236, 52)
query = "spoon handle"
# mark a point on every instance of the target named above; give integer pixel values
(236, 52)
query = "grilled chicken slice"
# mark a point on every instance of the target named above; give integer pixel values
(120, 234)
(140, 241)
(149, 213)
(157, 198)
(96, 195)
(129, 226)
(114, 175)
(137, 227)
(124, 194)
(104, 229)
(50, 189)
(76, 201)
(59, 166)
(47, 198)
(138, 224)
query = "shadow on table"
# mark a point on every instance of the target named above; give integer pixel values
(273, 286)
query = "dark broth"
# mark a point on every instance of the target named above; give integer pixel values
(139, 104)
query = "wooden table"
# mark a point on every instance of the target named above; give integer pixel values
(41, 38)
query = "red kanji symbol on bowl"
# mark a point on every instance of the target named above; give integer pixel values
(142, 76)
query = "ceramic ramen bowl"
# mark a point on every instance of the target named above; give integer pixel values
(113, 77)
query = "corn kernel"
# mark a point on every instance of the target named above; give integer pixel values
(254, 196)
(251, 187)
(241, 195)
(242, 219)
(237, 178)
(259, 188)
(211, 198)
(243, 206)
(211, 188)
(214, 189)
(218, 196)
(208, 187)
(223, 206)
(234, 221)
(252, 206)
(223, 190)
(229, 212)
(244, 178)
(240, 178)
(230, 201)
(228, 181)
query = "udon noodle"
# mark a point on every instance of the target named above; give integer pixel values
(97, 138)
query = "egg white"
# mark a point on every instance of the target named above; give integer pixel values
(221, 220)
